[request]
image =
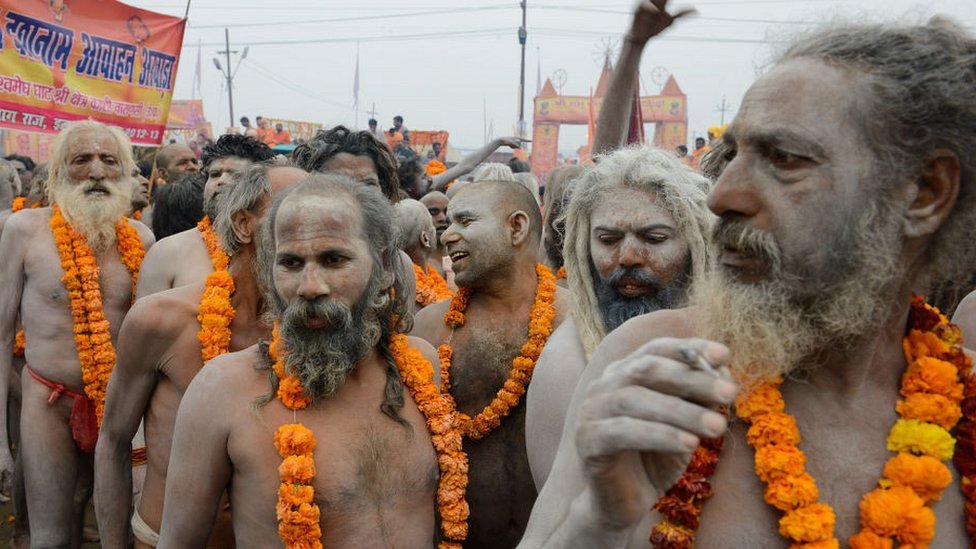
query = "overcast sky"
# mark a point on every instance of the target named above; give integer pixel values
(453, 65)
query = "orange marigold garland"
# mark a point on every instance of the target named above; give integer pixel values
(431, 287)
(298, 515)
(682, 504)
(417, 374)
(898, 510)
(18, 203)
(508, 397)
(216, 312)
(81, 279)
(218, 257)
(561, 273)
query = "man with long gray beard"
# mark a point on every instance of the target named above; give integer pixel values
(329, 257)
(184, 257)
(69, 271)
(165, 340)
(637, 231)
(853, 183)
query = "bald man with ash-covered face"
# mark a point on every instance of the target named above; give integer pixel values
(493, 240)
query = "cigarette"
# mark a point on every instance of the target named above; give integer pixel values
(698, 361)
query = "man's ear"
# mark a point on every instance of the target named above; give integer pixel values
(519, 225)
(933, 194)
(245, 226)
(426, 240)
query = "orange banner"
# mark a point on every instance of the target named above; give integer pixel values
(66, 60)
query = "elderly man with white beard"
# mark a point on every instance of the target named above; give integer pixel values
(636, 234)
(69, 272)
(851, 185)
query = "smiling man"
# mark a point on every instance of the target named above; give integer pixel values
(509, 304)
(636, 234)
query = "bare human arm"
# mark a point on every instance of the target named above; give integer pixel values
(155, 274)
(130, 387)
(471, 161)
(199, 467)
(13, 245)
(632, 425)
(548, 397)
(650, 19)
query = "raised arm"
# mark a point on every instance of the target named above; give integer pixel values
(129, 390)
(632, 426)
(650, 19)
(199, 467)
(13, 244)
(471, 161)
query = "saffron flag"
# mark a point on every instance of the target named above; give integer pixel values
(69, 60)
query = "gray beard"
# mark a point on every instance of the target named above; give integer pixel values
(93, 216)
(323, 358)
(617, 309)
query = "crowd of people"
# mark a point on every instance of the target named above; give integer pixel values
(344, 347)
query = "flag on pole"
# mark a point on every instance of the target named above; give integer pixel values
(590, 128)
(197, 74)
(355, 83)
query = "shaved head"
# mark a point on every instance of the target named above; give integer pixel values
(508, 197)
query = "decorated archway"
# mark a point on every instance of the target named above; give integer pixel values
(667, 111)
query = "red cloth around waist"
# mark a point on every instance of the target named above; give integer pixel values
(84, 424)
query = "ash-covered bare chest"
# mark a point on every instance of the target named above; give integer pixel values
(482, 361)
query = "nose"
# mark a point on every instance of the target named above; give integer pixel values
(449, 235)
(630, 252)
(734, 197)
(313, 284)
(96, 170)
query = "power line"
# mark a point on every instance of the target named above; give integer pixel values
(356, 18)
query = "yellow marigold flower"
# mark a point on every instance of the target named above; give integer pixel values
(918, 344)
(911, 435)
(825, 544)
(811, 523)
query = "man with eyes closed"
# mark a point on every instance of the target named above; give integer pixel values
(636, 234)
(509, 305)
(365, 469)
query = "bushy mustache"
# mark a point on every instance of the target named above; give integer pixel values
(748, 241)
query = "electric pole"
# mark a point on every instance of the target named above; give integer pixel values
(522, 34)
(229, 75)
(723, 108)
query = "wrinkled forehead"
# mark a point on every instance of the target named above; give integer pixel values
(228, 163)
(802, 96)
(627, 207)
(306, 217)
(475, 198)
(92, 142)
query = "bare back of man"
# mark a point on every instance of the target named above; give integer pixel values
(159, 357)
(375, 478)
(53, 461)
(843, 438)
(174, 261)
(500, 491)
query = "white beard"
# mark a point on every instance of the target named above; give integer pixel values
(93, 216)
